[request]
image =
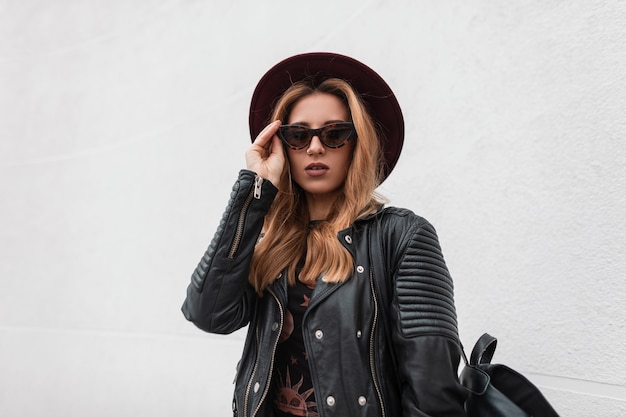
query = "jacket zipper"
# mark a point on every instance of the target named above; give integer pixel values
(256, 194)
(256, 362)
(267, 385)
(372, 341)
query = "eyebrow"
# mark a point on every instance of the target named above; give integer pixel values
(328, 122)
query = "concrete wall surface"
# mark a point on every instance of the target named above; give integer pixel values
(123, 125)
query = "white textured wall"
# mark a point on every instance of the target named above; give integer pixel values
(123, 125)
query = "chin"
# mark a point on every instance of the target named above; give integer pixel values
(322, 191)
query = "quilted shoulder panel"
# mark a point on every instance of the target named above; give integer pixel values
(424, 288)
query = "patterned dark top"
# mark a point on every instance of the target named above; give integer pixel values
(292, 390)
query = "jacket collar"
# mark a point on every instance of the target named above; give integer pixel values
(352, 233)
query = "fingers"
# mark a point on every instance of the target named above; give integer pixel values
(264, 138)
(276, 148)
(265, 156)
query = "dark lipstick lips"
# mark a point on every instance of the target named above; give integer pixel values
(316, 165)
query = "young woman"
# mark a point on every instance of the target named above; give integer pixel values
(349, 304)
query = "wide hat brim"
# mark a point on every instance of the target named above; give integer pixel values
(380, 101)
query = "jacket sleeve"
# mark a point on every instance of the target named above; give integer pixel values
(424, 326)
(220, 298)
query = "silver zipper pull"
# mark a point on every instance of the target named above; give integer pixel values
(258, 181)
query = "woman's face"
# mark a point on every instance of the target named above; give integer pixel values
(320, 171)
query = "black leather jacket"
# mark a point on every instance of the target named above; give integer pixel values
(373, 351)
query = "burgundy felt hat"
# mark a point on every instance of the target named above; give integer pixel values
(318, 66)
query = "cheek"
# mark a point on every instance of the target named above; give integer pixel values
(295, 163)
(292, 157)
(349, 157)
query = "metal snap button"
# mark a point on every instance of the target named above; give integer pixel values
(330, 400)
(360, 269)
(362, 401)
(358, 334)
(319, 334)
(348, 238)
(256, 387)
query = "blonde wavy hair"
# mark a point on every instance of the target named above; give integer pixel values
(288, 237)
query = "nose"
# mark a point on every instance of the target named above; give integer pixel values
(316, 146)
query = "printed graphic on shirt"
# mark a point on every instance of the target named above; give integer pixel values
(293, 393)
(287, 327)
(292, 400)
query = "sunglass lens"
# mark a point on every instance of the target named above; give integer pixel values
(295, 136)
(335, 136)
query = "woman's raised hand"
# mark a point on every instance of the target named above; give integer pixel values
(265, 156)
